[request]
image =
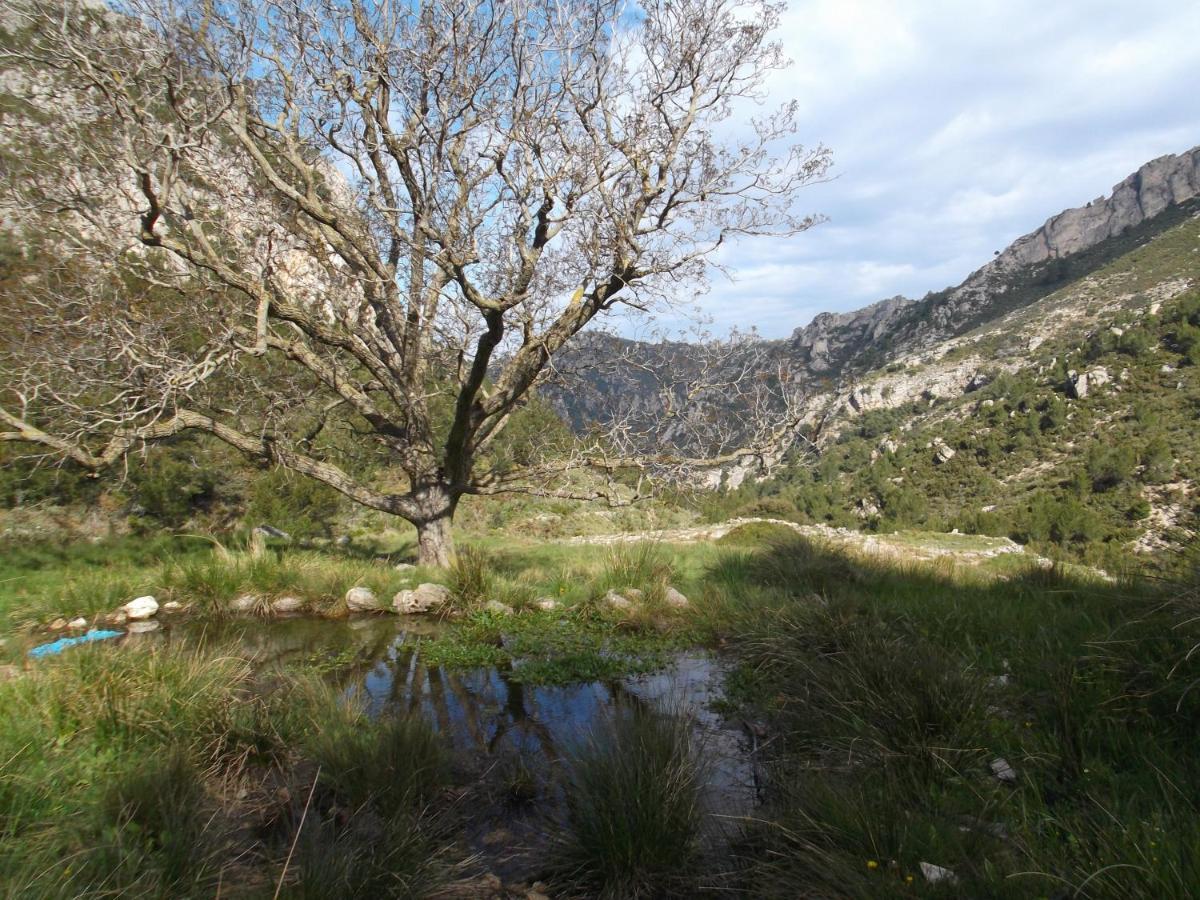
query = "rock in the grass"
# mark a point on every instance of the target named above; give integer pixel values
(495, 607)
(635, 594)
(999, 681)
(938, 874)
(287, 605)
(116, 618)
(144, 626)
(1002, 770)
(675, 598)
(362, 599)
(272, 532)
(424, 598)
(172, 606)
(867, 509)
(942, 452)
(403, 567)
(244, 603)
(617, 601)
(59, 624)
(546, 604)
(141, 608)
(9, 672)
(78, 623)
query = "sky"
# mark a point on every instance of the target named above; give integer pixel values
(956, 126)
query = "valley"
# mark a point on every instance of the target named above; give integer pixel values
(349, 548)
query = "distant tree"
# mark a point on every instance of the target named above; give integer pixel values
(1109, 466)
(1158, 462)
(394, 216)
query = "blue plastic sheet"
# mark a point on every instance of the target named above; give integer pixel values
(63, 643)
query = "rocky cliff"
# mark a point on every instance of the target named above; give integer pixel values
(1160, 183)
(1068, 246)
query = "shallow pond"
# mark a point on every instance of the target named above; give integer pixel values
(512, 734)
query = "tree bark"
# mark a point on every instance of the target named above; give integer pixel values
(435, 537)
(435, 541)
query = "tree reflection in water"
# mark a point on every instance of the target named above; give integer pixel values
(490, 718)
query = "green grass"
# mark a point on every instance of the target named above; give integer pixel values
(633, 808)
(886, 710)
(887, 688)
(159, 773)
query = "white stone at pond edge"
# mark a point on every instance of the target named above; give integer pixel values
(172, 606)
(546, 604)
(404, 567)
(424, 598)
(244, 603)
(1002, 770)
(287, 605)
(362, 599)
(616, 601)
(81, 622)
(141, 608)
(497, 608)
(675, 598)
(937, 874)
(143, 627)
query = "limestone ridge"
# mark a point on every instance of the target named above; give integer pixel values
(1031, 267)
(831, 337)
(1160, 183)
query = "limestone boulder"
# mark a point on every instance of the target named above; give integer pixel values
(362, 599)
(287, 605)
(617, 601)
(424, 598)
(675, 598)
(244, 604)
(141, 608)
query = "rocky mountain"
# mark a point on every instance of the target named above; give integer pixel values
(827, 357)
(1066, 247)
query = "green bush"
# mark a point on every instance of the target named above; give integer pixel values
(296, 504)
(1109, 466)
(158, 811)
(1058, 520)
(28, 477)
(170, 485)
(394, 766)
(1158, 462)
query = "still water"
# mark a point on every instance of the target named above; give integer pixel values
(511, 733)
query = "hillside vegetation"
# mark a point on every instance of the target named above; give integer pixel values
(1104, 477)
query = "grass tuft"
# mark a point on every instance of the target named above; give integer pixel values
(634, 814)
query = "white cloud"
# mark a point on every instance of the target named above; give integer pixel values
(956, 128)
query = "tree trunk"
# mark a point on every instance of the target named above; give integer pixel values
(435, 541)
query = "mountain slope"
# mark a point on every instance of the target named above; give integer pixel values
(993, 406)
(837, 350)
(1069, 423)
(1066, 247)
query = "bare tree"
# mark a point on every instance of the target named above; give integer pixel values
(395, 213)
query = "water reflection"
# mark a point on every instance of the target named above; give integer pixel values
(496, 722)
